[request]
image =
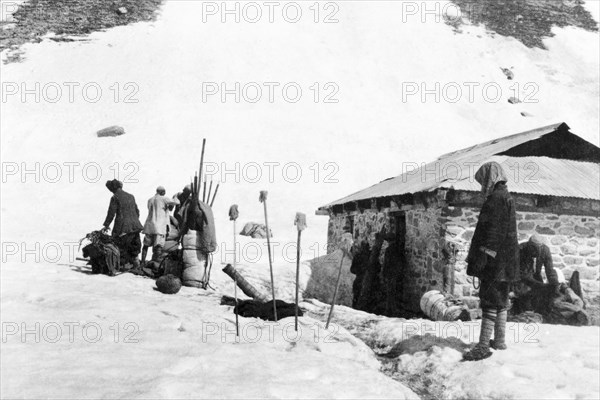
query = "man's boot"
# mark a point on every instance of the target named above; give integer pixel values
(482, 349)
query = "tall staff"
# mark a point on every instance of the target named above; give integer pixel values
(200, 169)
(300, 222)
(233, 216)
(263, 199)
(345, 245)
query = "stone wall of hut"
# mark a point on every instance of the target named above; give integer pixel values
(424, 241)
(574, 241)
(424, 244)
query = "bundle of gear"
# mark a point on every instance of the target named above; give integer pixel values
(102, 253)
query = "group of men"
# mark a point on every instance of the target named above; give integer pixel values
(127, 227)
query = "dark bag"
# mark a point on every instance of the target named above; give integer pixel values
(207, 240)
(258, 309)
(198, 216)
(104, 258)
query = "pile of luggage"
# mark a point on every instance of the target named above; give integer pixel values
(102, 253)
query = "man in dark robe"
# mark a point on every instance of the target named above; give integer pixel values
(371, 292)
(493, 258)
(359, 267)
(127, 227)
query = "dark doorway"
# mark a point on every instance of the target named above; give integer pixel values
(394, 267)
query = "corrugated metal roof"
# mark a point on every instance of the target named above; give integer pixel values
(502, 144)
(541, 176)
(533, 175)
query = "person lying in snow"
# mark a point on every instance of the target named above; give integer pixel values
(127, 227)
(560, 304)
(566, 308)
(493, 258)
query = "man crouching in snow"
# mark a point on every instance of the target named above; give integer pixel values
(126, 230)
(493, 258)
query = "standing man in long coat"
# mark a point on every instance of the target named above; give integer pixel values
(126, 230)
(493, 258)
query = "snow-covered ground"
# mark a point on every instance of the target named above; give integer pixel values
(542, 361)
(153, 79)
(152, 75)
(101, 337)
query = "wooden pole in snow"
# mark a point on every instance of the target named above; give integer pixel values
(345, 245)
(233, 215)
(300, 223)
(263, 199)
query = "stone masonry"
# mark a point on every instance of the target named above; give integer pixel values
(574, 241)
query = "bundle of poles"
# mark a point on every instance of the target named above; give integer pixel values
(197, 181)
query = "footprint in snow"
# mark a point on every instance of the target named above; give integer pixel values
(169, 314)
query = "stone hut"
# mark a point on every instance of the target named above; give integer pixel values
(554, 176)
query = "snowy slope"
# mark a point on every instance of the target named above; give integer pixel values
(370, 54)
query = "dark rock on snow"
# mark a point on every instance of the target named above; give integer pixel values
(111, 131)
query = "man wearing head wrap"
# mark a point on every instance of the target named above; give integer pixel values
(493, 258)
(182, 198)
(534, 254)
(155, 228)
(126, 229)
